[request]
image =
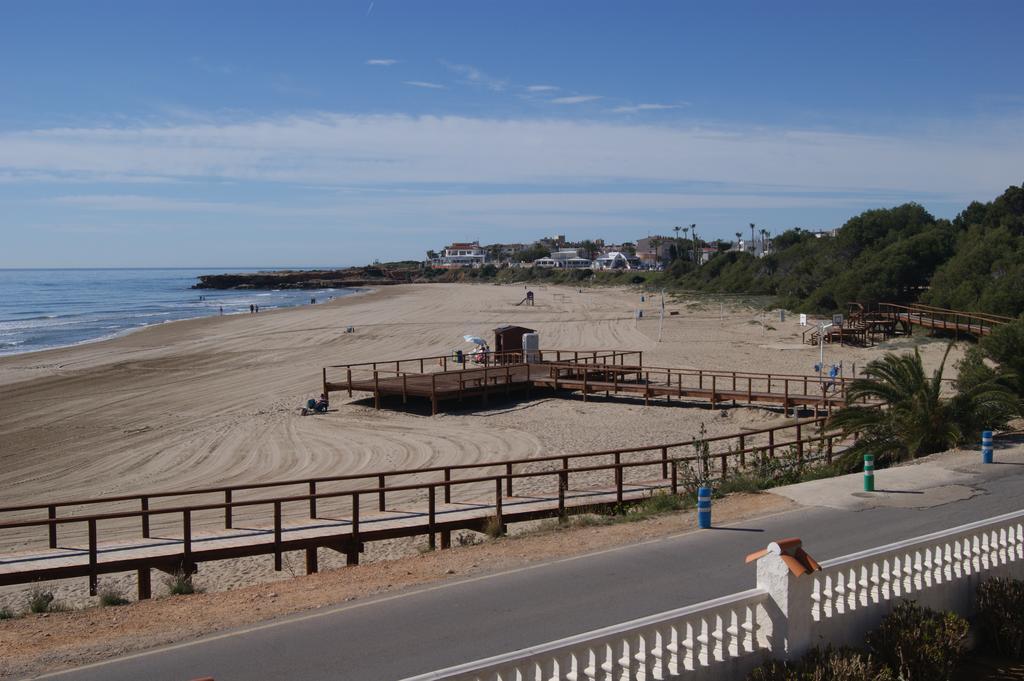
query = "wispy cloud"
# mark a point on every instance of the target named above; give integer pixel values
(542, 88)
(395, 150)
(575, 99)
(646, 107)
(425, 84)
(381, 62)
(475, 76)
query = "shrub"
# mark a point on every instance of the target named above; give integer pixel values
(180, 583)
(493, 528)
(828, 664)
(919, 644)
(1001, 615)
(40, 601)
(111, 597)
(6, 614)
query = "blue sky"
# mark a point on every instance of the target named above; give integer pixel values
(242, 133)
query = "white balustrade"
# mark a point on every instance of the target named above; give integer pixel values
(786, 615)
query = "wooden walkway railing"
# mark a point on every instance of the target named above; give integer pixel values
(957, 321)
(295, 517)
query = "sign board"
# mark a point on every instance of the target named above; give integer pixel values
(837, 320)
(803, 319)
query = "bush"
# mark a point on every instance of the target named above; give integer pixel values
(828, 664)
(492, 528)
(111, 597)
(180, 583)
(919, 644)
(6, 614)
(40, 601)
(1001, 616)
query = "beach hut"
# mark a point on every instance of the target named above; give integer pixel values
(510, 338)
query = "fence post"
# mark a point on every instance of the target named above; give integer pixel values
(228, 512)
(499, 516)
(277, 536)
(381, 501)
(790, 620)
(448, 487)
(51, 513)
(186, 541)
(508, 480)
(93, 558)
(664, 462)
(743, 452)
(675, 477)
(431, 516)
(869, 472)
(312, 499)
(799, 445)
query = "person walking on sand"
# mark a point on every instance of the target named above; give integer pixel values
(257, 309)
(252, 308)
(221, 310)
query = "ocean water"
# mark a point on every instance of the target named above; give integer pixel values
(42, 309)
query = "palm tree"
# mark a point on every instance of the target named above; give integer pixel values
(764, 240)
(753, 247)
(913, 418)
(739, 235)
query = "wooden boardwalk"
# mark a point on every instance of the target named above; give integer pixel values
(591, 377)
(941, 319)
(382, 505)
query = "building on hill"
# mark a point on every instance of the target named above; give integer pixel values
(616, 260)
(654, 250)
(468, 254)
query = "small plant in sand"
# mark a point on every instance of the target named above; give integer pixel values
(467, 539)
(40, 601)
(112, 596)
(180, 583)
(493, 528)
(6, 614)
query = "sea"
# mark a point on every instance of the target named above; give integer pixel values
(52, 308)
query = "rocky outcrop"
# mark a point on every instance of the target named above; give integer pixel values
(302, 279)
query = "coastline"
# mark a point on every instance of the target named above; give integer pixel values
(215, 400)
(356, 291)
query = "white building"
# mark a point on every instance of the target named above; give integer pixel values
(616, 260)
(462, 255)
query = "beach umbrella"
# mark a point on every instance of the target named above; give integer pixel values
(475, 339)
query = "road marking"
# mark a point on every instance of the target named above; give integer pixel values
(333, 610)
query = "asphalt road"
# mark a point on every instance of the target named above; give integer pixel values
(429, 628)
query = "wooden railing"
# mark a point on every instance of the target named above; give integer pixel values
(978, 323)
(807, 440)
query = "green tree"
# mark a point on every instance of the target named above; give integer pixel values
(911, 417)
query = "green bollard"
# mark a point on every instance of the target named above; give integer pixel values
(869, 472)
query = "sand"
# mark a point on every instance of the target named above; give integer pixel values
(215, 400)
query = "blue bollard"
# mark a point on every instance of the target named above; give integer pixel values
(986, 446)
(704, 507)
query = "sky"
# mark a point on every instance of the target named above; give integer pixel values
(192, 134)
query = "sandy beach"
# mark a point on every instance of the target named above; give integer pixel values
(215, 400)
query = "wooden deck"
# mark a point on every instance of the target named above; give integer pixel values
(346, 535)
(650, 383)
(62, 539)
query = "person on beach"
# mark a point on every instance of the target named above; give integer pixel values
(221, 310)
(257, 309)
(252, 308)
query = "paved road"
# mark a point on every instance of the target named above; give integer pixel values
(430, 628)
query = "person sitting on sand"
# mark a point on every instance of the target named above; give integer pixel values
(321, 405)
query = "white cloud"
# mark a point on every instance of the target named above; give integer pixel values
(975, 161)
(542, 88)
(645, 107)
(425, 84)
(381, 62)
(475, 76)
(576, 99)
